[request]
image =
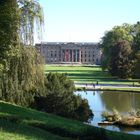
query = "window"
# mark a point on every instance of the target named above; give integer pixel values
(55, 54)
(51, 53)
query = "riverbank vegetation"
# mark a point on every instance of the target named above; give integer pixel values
(60, 99)
(132, 119)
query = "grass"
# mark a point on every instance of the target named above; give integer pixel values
(18, 123)
(122, 89)
(14, 131)
(21, 123)
(88, 74)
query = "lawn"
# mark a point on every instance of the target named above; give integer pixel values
(18, 123)
(88, 74)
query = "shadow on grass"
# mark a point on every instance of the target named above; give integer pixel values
(69, 71)
(92, 66)
(26, 131)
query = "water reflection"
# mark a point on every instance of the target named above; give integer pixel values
(122, 101)
(100, 101)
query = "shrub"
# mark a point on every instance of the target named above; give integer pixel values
(61, 100)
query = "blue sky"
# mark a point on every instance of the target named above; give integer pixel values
(85, 20)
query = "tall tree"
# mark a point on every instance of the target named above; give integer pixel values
(121, 63)
(117, 34)
(21, 70)
(136, 50)
(31, 19)
(9, 26)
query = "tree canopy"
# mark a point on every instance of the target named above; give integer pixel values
(121, 50)
(21, 69)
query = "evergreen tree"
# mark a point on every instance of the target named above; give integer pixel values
(121, 60)
(136, 50)
(60, 99)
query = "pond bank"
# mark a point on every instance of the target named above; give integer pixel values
(107, 87)
(102, 101)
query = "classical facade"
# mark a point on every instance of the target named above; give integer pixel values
(67, 52)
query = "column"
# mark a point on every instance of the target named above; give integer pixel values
(65, 55)
(72, 55)
(61, 55)
(75, 55)
(69, 55)
(80, 56)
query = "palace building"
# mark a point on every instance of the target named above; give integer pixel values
(70, 52)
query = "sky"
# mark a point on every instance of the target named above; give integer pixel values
(85, 20)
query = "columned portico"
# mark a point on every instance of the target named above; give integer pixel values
(71, 55)
(65, 52)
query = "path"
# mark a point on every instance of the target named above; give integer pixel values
(104, 86)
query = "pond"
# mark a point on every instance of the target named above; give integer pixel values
(100, 101)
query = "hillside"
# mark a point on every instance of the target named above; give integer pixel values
(18, 123)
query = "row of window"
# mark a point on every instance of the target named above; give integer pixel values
(53, 51)
(64, 60)
(56, 54)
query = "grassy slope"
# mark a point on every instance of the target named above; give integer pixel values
(22, 123)
(18, 123)
(87, 74)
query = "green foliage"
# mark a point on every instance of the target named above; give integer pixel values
(121, 60)
(9, 26)
(21, 68)
(60, 99)
(117, 34)
(83, 113)
(137, 65)
(136, 50)
(24, 77)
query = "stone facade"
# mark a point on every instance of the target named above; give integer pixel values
(67, 52)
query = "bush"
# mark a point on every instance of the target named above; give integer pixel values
(61, 100)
